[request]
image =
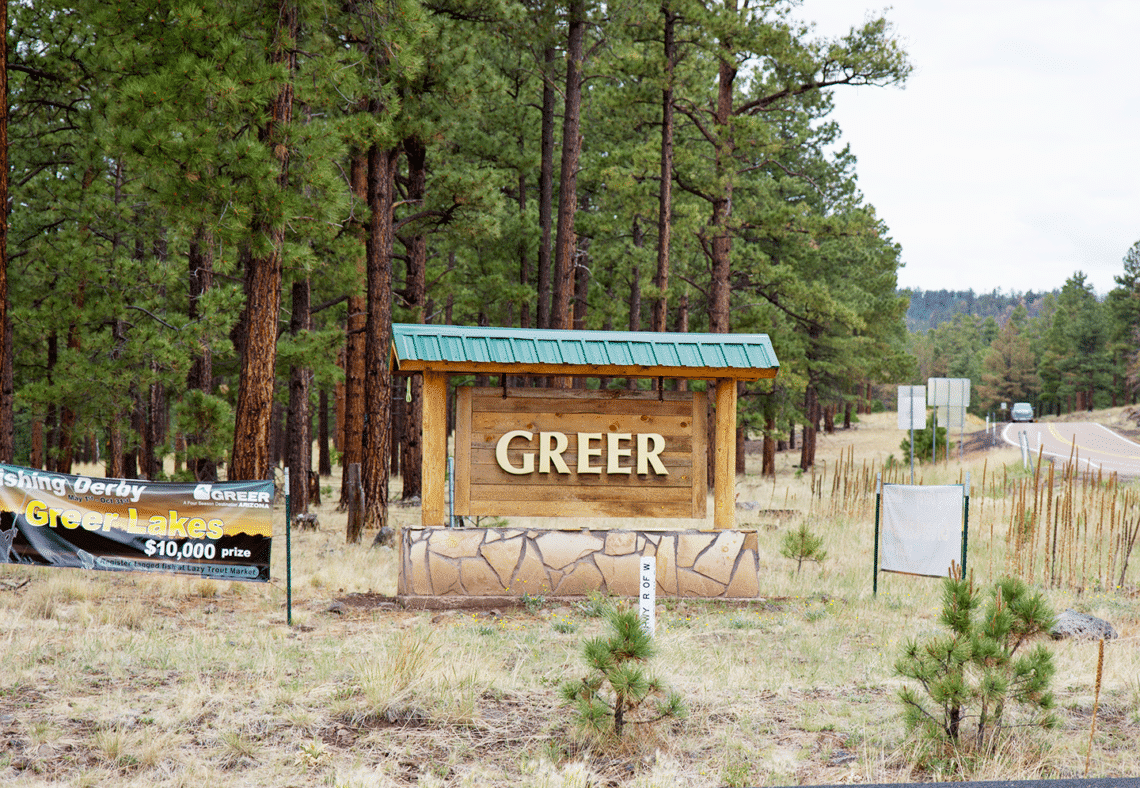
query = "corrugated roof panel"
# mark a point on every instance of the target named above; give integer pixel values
(548, 351)
(525, 351)
(500, 349)
(758, 356)
(428, 347)
(595, 351)
(642, 353)
(619, 353)
(689, 354)
(571, 350)
(666, 354)
(452, 349)
(711, 355)
(456, 345)
(735, 356)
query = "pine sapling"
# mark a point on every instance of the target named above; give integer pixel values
(802, 545)
(618, 691)
(979, 670)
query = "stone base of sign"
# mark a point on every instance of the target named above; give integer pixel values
(481, 562)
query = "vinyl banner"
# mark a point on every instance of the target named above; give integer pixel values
(217, 530)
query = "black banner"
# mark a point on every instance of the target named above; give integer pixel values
(218, 530)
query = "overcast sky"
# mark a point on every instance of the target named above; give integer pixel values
(1011, 159)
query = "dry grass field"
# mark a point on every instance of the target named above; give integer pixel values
(131, 680)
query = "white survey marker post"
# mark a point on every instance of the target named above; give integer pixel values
(647, 594)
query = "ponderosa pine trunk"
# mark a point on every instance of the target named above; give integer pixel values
(546, 187)
(352, 426)
(811, 425)
(7, 401)
(665, 194)
(768, 461)
(324, 456)
(378, 342)
(201, 374)
(298, 442)
(566, 241)
(67, 415)
(415, 297)
(250, 458)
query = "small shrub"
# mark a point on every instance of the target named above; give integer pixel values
(618, 692)
(533, 602)
(802, 545)
(922, 445)
(974, 678)
(595, 605)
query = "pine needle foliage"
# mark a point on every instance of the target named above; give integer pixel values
(618, 691)
(802, 545)
(976, 683)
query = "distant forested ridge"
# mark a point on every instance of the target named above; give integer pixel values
(931, 308)
(1062, 351)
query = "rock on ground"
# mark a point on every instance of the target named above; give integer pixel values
(1081, 626)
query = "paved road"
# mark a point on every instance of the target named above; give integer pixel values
(1097, 447)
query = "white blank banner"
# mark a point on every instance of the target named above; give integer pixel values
(921, 528)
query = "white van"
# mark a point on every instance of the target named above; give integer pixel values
(1022, 411)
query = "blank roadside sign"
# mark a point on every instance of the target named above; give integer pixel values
(912, 407)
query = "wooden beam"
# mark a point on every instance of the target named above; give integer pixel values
(724, 469)
(583, 370)
(434, 463)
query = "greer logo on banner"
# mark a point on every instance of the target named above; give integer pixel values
(219, 530)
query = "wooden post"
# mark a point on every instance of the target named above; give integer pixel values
(724, 470)
(434, 461)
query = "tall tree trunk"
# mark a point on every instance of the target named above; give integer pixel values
(67, 415)
(299, 445)
(545, 187)
(201, 374)
(411, 442)
(524, 256)
(7, 401)
(324, 456)
(566, 242)
(155, 425)
(377, 381)
(250, 455)
(352, 431)
(716, 239)
(51, 421)
(665, 194)
(811, 421)
(768, 462)
(114, 466)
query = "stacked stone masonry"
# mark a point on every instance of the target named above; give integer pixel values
(516, 561)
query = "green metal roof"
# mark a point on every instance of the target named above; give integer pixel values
(475, 349)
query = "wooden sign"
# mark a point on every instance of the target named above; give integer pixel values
(568, 453)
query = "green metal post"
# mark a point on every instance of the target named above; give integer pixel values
(875, 567)
(288, 553)
(966, 524)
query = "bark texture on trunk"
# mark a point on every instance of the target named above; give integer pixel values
(350, 411)
(566, 241)
(546, 188)
(7, 385)
(415, 296)
(377, 382)
(665, 200)
(250, 458)
(298, 441)
(201, 374)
